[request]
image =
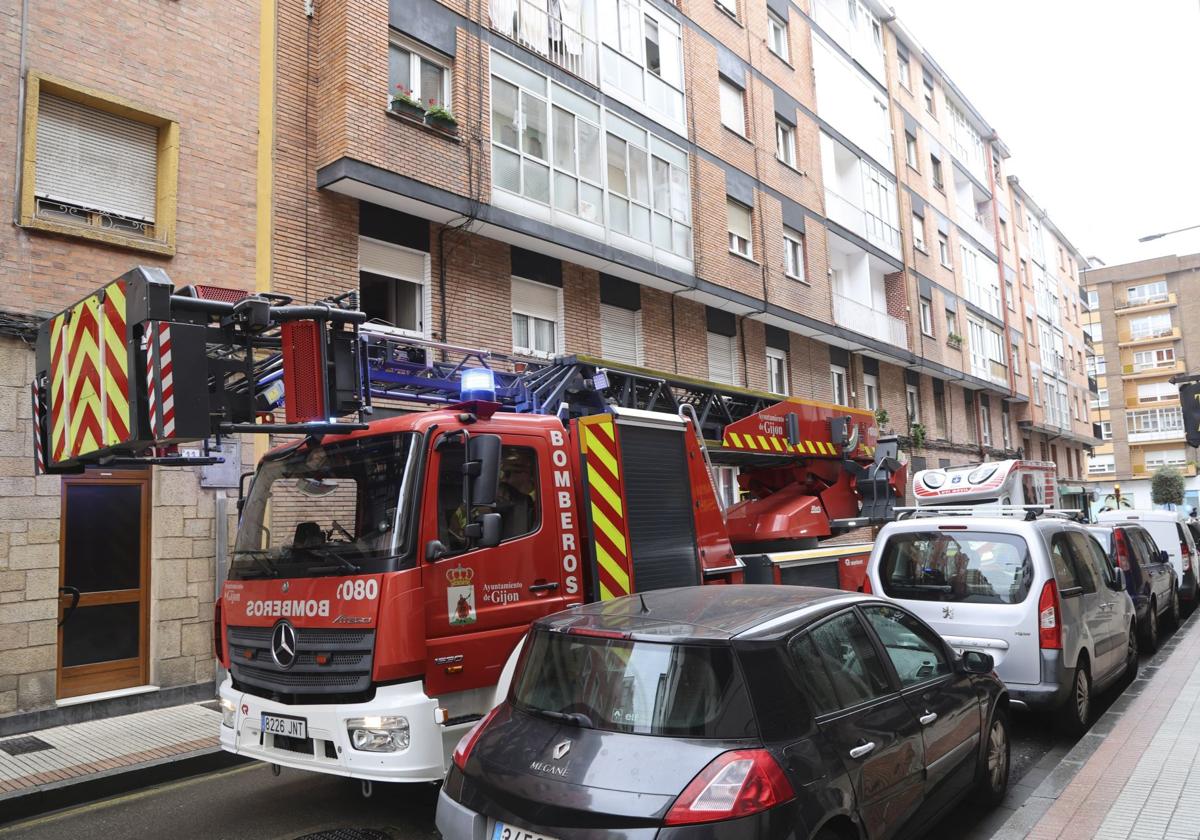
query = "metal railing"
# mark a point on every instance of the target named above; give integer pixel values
(543, 28)
(1133, 301)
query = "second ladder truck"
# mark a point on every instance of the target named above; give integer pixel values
(384, 571)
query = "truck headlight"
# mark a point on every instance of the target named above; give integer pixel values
(387, 733)
(228, 712)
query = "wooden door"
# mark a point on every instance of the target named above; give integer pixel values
(104, 580)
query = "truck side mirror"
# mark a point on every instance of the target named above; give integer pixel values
(483, 464)
(793, 428)
(489, 530)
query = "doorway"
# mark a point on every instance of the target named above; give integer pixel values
(104, 582)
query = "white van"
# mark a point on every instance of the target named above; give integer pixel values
(1172, 535)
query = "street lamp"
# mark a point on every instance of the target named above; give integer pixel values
(1154, 236)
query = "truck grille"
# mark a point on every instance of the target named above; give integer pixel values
(350, 655)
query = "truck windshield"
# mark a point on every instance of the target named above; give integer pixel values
(975, 568)
(644, 688)
(324, 510)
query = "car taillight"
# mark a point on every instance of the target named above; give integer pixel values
(463, 751)
(1186, 555)
(734, 784)
(1049, 626)
(1122, 549)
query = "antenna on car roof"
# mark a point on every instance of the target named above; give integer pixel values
(642, 598)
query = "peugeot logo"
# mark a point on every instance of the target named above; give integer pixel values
(948, 612)
(561, 749)
(283, 645)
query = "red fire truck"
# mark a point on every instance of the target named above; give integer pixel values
(383, 572)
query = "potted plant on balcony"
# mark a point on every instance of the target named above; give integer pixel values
(881, 417)
(954, 340)
(916, 433)
(405, 104)
(441, 118)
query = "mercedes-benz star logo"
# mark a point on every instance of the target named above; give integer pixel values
(283, 645)
(561, 749)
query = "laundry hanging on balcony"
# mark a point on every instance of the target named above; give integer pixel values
(534, 30)
(504, 17)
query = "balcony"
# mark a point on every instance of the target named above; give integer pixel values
(974, 225)
(1093, 386)
(1138, 402)
(1136, 371)
(867, 321)
(1145, 303)
(863, 222)
(1128, 339)
(1142, 470)
(552, 35)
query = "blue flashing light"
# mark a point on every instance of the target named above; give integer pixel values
(478, 384)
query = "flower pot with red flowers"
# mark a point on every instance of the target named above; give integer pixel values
(405, 104)
(441, 118)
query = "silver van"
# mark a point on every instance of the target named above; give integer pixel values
(1039, 595)
(1173, 535)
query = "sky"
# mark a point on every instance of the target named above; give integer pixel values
(1098, 103)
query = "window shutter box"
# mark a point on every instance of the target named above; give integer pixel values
(96, 160)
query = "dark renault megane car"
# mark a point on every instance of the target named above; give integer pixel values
(731, 712)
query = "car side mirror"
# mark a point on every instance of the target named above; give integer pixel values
(976, 662)
(1164, 557)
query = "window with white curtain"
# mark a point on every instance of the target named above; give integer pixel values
(741, 240)
(393, 284)
(621, 334)
(777, 35)
(837, 380)
(793, 254)
(777, 371)
(733, 107)
(536, 318)
(722, 358)
(785, 142)
(870, 391)
(912, 397)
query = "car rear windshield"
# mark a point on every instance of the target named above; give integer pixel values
(967, 567)
(645, 688)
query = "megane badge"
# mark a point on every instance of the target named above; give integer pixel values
(561, 749)
(283, 645)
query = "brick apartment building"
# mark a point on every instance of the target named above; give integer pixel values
(707, 188)
(1144, 319)
(121, 148)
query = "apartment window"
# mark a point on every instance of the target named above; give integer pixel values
(1101, 365)
(420, 72)
(777, 35)
(935, 167)
(729, 6)
(971, 416)
(951, 323)
(520, 135)
(918, 228)
(648, 187)
(722, 358)
(939, 408)
(578, 159)
(1149, 359)
(536, 318)
(870, 391)
(733, 107)
(912, 398)
(621, 334)
(392, 285)
(930, 105)
(740, 238)
(640, 49)
(837, 376)
(944, 250)
(1165, 458)
(910, 151)
(1004, 233)
(1146, 293)
(1062, 259)
(926, 318)
(1034, 390)
(793, 254)
(1106, 430)
(97, 168)
(985, 423)
(1157, 392)
(905, 70)
(1005, 428)
(1150, 326)
(785, 143)
(1016, 357)
(1101, 400)
(777, 371)
(1010, 295)
(1093, 300)
(1099, 464)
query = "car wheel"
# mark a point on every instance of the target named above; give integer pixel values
(1150, 633)
(1076, 713)
(1173, 610)
(993, 773)
(1131, 655)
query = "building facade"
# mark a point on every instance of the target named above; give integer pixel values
(1144, 321)
(127, 151)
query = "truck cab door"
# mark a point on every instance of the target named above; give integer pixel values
(480, 600)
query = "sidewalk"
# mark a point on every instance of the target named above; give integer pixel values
(65, 765)
(1136, 773)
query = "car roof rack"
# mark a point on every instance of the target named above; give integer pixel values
(1028, 513)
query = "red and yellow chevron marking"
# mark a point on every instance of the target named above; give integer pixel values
(83, 377)
(56, 394)
(775, 444)
(116, 366)
(610, 532)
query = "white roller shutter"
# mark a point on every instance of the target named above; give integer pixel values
(620, 334)
(391, 260)
(97, 160)
(536, 299)
(722, 359)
